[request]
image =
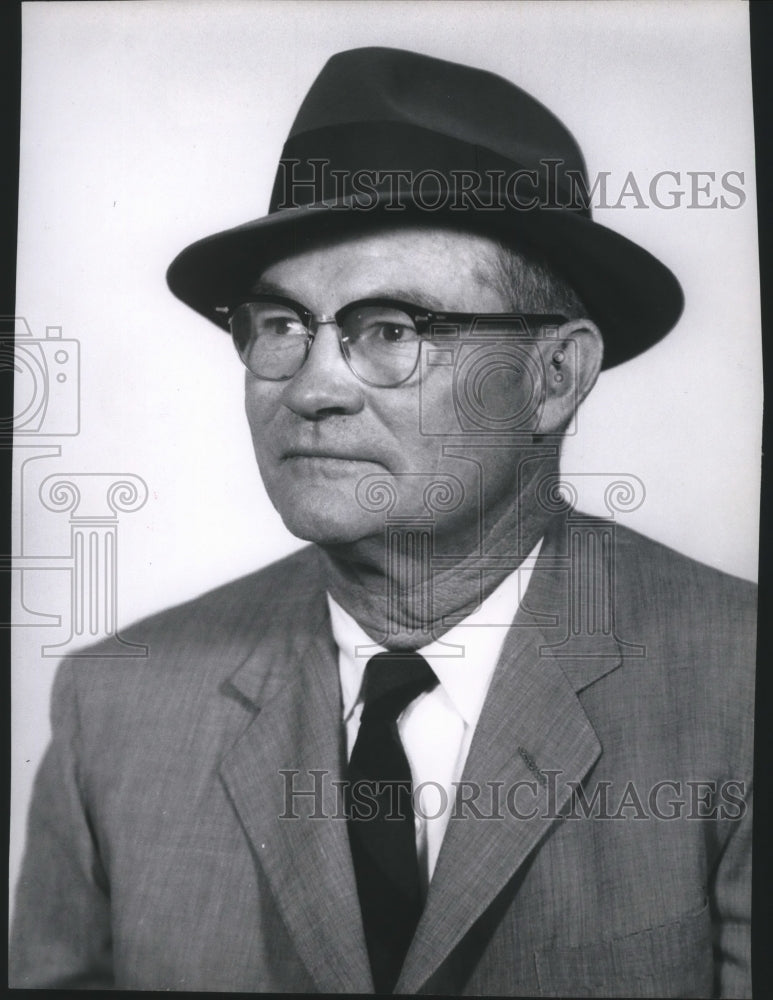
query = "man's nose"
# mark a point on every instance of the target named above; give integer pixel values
(325, 385)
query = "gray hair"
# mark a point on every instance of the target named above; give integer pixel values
(529, 284)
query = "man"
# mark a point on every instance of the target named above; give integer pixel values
(469, 741)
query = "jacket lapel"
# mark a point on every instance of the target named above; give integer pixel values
(532, 729)
(298, 731)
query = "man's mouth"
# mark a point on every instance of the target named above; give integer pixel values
(328, 462)
(331, 455)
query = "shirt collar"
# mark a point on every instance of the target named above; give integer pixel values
(463, 659)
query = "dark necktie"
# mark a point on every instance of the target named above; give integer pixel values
(380, 816)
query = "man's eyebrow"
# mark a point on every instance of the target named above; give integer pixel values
(264, 287)
(413, 295)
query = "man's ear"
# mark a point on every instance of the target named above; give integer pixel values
(571, 364)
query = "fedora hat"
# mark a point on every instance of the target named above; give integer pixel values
(387, 136)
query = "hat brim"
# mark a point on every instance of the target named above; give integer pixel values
(633, 298)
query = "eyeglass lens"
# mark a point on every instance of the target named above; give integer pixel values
(380, 342)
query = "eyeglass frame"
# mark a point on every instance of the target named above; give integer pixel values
(423, 319)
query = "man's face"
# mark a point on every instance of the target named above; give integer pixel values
(317, 435)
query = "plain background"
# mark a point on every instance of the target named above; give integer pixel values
(148, 125)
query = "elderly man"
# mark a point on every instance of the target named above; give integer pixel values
(470, 740)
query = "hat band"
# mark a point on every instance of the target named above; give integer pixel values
(395, 166)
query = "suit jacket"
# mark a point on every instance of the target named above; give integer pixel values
(169, 847)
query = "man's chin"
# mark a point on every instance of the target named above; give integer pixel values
(324, 508)
(328, 530)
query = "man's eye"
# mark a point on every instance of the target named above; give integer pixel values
(282, 326)
(392, 333)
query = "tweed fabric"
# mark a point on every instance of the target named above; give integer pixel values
(162, 854)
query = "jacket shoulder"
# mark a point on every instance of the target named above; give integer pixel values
(678, 576)
(196, 645)
(698, 627)
(665, 597)
(231, 607)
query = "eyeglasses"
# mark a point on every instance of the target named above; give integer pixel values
(380, 339)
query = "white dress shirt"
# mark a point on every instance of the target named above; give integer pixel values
(436, 729)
